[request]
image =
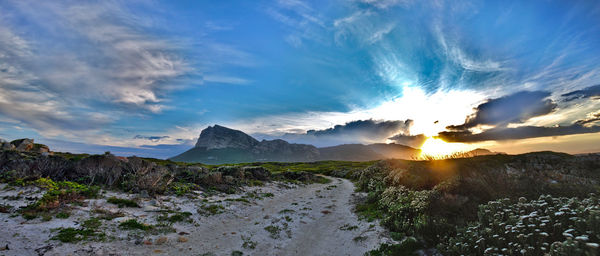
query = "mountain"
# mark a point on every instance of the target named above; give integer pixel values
(219, 137)
(218, 145)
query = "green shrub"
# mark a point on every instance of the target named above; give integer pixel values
(273, 231)
(87, 231)
(134, 224)
(63, 215)
(29, 216)
(181, 188)
(57, 195)
(248, 243)
(73, 235)
(211, 209)
(408, 246)
(92, 223)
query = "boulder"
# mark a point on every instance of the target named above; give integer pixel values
(8, 146)
(23, 144)
(42, 149)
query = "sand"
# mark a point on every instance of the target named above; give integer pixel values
(315, 219)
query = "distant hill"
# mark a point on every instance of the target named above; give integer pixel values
(219, 145)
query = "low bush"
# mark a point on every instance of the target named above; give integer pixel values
(73, 235)
(428, 200)
(176, 217)
(408, 246)
(182, 188)
(212, 209)
(548, 225)
(58, 195)
(87, 231)
(134, 224)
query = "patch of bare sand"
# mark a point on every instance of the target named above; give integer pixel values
(276, 219)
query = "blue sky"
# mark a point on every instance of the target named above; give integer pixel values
(145, 77)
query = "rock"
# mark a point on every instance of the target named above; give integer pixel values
(8, 146)
(161, 240)
(144, 194)
(219, 137)
(147, 242)
(44, 249)
(23, 144)
(149, 208)
(42, 149)
(101, 252)
(182, 239)
(121, 219)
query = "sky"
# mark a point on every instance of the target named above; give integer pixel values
(145, 77)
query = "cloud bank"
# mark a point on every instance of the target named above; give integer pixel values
(588, 92)
(415, 141)
(358, 131)
(516, 109)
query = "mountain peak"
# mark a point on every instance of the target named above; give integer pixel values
(219, 137)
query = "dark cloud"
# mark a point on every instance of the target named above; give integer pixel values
(589, 92)
(151, 138)
(372, 127)
(359, 131)
(415, 141)
(522, 132)
(514, 108)
(518, 108)
(593, 117)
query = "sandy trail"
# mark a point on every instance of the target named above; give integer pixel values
(314, 219)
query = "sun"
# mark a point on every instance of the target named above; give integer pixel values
(437, 148)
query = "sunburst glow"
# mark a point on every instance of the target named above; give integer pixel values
(437, 148)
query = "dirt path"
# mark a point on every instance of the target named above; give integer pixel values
(315, 219)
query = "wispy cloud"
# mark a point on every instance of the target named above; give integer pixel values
(225, 79)
(301, 19)
(384, 4)
(79, 67)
